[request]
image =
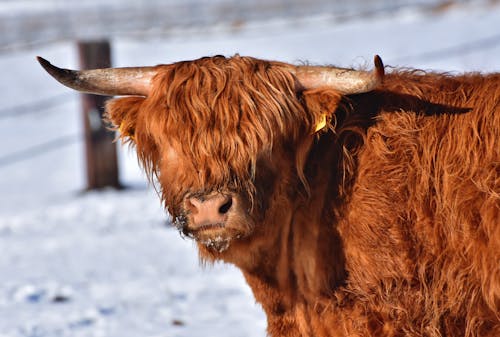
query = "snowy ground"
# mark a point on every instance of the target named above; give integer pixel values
(107, 264)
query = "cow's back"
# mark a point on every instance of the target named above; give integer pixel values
(424, 218)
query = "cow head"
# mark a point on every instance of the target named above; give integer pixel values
(225, 138)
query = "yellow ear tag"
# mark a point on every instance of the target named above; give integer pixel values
(321, 124)
(121, 128)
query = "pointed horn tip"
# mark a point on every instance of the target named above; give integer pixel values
(53, 71)
(43, 62)
(379, 67)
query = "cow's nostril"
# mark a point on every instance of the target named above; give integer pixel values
(226, 206)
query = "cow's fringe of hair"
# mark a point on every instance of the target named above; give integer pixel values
(257, 106)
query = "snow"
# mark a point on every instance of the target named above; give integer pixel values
(108, 263)
(37, 22)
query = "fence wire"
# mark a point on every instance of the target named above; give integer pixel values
(36, 106)
(453, 51)
(39, 149)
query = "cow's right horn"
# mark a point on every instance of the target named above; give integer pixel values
(109, 81)
(347, 81)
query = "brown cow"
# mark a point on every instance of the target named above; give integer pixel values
(353, 207)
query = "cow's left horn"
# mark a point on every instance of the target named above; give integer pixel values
(108, 81)
(347, 81)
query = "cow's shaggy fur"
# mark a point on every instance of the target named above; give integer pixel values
(385, 223)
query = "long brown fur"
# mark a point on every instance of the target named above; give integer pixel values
(385, 223)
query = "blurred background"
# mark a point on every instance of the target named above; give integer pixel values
(79, 261)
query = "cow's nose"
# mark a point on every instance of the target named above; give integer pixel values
(209, 211)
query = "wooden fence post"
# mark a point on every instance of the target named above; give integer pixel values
(100, 150)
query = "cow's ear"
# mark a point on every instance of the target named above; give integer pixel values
(321, 104)
(123, 113)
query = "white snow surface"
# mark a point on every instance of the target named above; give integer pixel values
(108, 263)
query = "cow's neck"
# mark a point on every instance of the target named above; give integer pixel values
(298, 263)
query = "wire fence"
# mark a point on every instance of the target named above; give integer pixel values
(34, 108)
(37, 106)
(468, 47)
(39, 149)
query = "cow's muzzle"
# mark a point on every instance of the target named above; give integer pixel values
(214, 220)
(208, 212)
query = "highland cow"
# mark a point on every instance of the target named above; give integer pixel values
(355, 203)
